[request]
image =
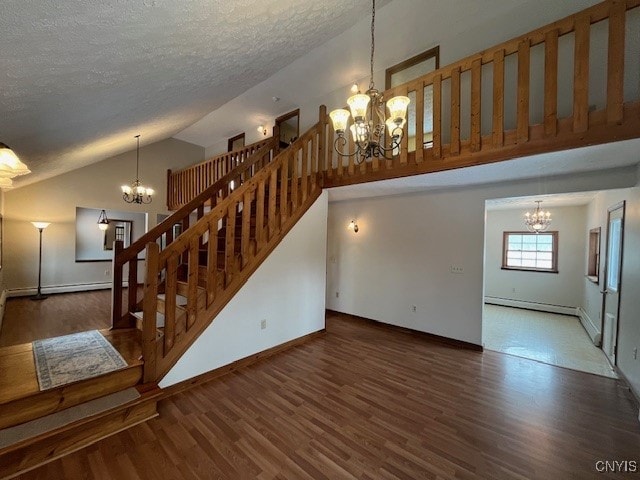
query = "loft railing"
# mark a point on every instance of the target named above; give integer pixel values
(184, 185)
(210, 261)
(163, 233)
(569, 84)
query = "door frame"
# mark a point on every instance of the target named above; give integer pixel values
(623, 206)
(283, 118)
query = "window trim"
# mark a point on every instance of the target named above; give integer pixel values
(554, 252)
(593, 260)
(410, 62)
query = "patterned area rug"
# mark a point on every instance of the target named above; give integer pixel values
(71, 358)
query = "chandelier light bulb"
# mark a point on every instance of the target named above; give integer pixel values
(539, 220)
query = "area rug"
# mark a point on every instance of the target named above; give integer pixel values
(75, 357)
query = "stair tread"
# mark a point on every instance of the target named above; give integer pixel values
(25, 431)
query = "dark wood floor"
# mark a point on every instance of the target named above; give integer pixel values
(61, 314)
(365, 402)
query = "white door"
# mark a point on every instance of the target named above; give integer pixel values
(612, 280)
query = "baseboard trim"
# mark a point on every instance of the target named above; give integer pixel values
(241, 363)
(591, 329)
(452, 342)
(541, 307)
(76, 287)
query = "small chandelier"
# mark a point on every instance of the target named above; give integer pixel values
(10, 167)
(369, 119)
(137, 193)
(539, 220)
(103, 221)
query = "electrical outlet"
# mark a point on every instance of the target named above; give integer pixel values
(263, 324)
(337, 294)
(414, 309)
(107, 273)
(457, 269)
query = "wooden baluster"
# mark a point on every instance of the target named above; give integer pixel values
(304, 180)
(260, 240)
(168, 237)
(498, 99)
(581, 75)
(455, 111)
(437, 116)
(419, 122)
(246, 227)
(315, 161)
(273, 182)
(284, 191)
(294, 179)
(229, 261)
(192, 287)
(551, 83)
(116, 292)
(212, 261)
(322, 141)
(615, 63)
(150, 308)
(200, 214)
(522, 127)
(476, 102)
(404, 143)
(132, 293)
(170, 294)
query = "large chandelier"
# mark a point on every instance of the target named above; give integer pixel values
(539, 220)
(137, 193)
(369, 119)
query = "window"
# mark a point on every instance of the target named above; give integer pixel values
(530, 251)
(593, 263)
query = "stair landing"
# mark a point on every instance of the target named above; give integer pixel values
(21, 399)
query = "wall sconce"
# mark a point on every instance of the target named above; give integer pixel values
(353, 226)
(103, 221)
(262, 129)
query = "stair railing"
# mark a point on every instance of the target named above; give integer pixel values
(564, 85)
(236, 235)
(184, 185)
(163, 233)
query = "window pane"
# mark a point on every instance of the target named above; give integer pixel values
(544, 264)
(529, 250)
(512, 262)
(528, 263)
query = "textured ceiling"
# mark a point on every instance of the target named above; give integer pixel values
(79, 79)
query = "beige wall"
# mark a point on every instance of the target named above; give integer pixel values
(55, 200)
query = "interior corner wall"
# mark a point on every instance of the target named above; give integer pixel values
(287, 290)
(407, 244)
(55, 200)
(629, 318)
(564, 288)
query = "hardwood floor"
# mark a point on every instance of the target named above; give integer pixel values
(60, 314)
(365, 402)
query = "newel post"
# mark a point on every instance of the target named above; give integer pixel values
(150, 310)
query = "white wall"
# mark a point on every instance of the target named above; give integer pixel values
(407, 243)
(288, 290)
(55, 200)
(564, 288)
(629, 319)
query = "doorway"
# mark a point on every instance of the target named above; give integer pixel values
(613, 277)
(288, 127)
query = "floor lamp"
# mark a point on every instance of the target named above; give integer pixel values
(40, 226)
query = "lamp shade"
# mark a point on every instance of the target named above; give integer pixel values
(398, 108)
(40, 225)
(10, 164)
(358, 104)
(340, 118)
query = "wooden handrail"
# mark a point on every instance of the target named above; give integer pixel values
(458, 140)
(237, 234)
(211, 194)
(195, 178)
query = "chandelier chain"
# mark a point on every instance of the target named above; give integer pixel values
(137, 157)
(373, 20)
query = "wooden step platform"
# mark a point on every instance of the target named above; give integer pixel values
(21, 399)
